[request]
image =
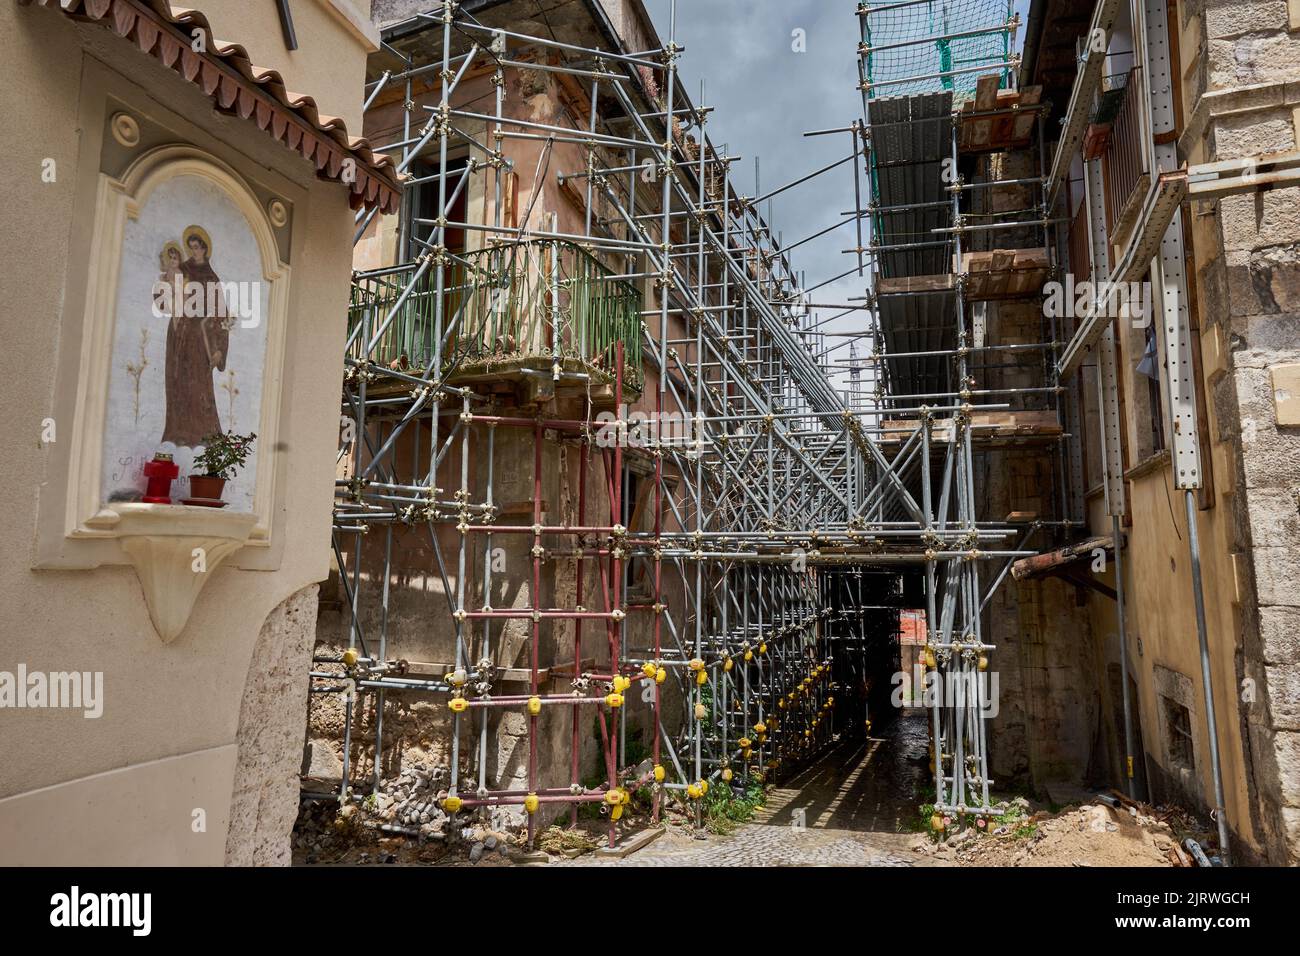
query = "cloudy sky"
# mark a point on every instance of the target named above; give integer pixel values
(766, 95)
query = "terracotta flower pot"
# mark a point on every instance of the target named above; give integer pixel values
(207, 488)
(1096, 140)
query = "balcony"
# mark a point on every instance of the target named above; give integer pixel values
(1077, 245)
(1125, 166)
(506, 311)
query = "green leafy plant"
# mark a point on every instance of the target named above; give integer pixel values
(636, 751)
(921, 822)
(724, 810)
(924, 812)
(1013, 815)
(224, 454)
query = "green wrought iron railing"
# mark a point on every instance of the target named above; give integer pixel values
(540, 298)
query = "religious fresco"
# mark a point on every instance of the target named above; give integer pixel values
(196, 343)
(189, 341)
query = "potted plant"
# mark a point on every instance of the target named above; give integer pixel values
(222, 457)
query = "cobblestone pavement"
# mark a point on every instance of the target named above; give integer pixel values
(852, 807)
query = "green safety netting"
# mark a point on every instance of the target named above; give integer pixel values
(945, 59)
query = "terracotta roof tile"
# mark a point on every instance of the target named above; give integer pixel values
(226, 74)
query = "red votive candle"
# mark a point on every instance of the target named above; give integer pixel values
(161, 472)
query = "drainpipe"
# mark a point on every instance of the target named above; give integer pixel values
(1194, 545)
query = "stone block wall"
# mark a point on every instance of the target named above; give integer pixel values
(1245, 101)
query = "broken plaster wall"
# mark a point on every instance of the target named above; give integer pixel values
(421, 630)
(1055, 721)
(265, 800)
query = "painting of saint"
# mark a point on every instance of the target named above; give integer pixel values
(189, 336)
(198, 339)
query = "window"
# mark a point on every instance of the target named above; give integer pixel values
(1146, 369)
(1149, 367)
(425, 206)
(1178, 733)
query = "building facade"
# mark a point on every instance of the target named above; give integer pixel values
(148, 713)
(1184, 138)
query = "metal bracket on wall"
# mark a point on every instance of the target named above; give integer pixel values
(1112, 458)
(1169, 271)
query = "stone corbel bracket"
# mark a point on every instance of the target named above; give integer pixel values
(175, 549)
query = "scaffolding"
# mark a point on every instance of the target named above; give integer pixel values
(924, 46)
(741, 540)
(941, 114)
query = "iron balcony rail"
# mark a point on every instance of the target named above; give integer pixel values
(1077, 238)
(539, 298)
(1124, 162)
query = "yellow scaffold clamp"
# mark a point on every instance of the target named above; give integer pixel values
(728, 663)
(661, 675)
(701, 711)
(350, 657)
(701, 678)
(614, 700)
(621, 683)
(458, 705)
(452, 804)
(617, 800)
(660, 773)
(649, 668)
(727, 775)
(534, 706)
(532, 802)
